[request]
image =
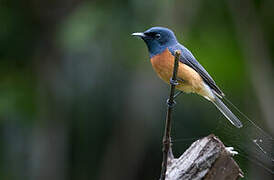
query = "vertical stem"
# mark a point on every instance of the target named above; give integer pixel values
(166, 137)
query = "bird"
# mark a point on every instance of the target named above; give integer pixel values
(191, 75)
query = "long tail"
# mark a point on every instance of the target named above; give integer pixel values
(226, 112)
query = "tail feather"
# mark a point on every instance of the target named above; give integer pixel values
(226, 112)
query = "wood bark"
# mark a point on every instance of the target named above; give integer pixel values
(206, 159)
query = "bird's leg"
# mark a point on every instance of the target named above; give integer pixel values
(172, 103)
(177, 94)
(173, 82)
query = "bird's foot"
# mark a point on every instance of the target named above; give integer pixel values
(170, 104)
(173, 82)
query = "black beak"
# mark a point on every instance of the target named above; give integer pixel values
(139, 34)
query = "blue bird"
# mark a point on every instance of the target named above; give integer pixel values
(191, 76)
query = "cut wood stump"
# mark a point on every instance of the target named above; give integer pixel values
(206, 159)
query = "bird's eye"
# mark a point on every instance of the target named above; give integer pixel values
(157, 36)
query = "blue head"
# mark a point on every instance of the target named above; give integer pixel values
(157, 39)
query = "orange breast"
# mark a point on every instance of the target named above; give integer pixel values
(189, 79)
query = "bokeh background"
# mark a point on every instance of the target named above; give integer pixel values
(79, 99)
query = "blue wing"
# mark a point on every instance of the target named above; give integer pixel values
(188, 59)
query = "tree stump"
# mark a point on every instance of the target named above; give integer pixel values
(206, 159)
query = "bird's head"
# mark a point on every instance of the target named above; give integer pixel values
(157, 39)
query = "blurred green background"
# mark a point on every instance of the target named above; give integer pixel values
(79, 99)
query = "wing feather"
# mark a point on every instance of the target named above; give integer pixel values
(188, 59)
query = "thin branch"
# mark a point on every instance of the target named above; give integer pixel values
(167, 151)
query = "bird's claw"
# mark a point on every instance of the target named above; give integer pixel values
(170, 104)
(173, 82)
(231, 151)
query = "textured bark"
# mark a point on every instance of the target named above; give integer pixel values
(207, 159)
